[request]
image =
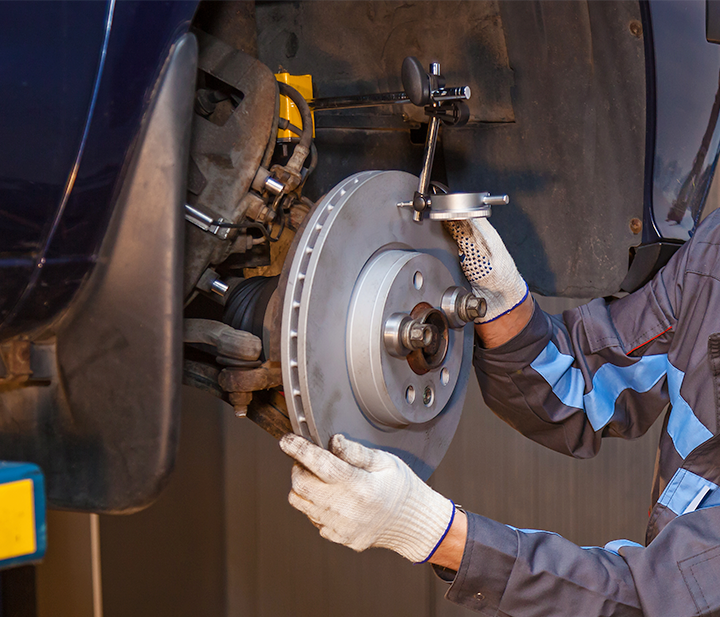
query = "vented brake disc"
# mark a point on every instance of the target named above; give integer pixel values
(361, 269)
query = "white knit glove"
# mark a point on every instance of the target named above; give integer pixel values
(362, 497)
(488, 266)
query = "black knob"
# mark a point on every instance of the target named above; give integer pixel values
(415, 81)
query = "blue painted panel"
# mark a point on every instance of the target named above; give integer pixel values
(125, 91)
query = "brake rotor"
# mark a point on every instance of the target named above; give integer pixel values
(361, 265)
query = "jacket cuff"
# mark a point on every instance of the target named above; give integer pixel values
(513, 355)
(490, 552)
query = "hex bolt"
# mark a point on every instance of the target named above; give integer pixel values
(420, 335)
(474, 307)
(470, 307)
(461, 306)
(416, 335)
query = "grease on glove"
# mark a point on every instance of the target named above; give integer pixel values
(488, 266)
(361, 497)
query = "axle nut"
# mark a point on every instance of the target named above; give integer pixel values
(420, 335)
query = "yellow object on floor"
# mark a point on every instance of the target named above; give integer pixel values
(17, 519)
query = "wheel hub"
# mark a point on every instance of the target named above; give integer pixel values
(384, 381)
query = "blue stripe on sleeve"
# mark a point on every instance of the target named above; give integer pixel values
(567, 383)
(610, 381)
(565, 380)
(686, 431)
(612, 547)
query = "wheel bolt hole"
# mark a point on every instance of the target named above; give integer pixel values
(410, 395)
(444, 377)
(418, 280)
(428, 396)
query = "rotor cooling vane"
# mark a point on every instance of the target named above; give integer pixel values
(373, 343)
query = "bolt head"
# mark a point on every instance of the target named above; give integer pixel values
(429, 333)
(636, 28)
(473, 307)
(477, 308)
(417, 333)
(421, 335)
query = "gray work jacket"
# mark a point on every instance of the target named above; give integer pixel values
(611, 369)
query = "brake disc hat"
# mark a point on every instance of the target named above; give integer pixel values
(359, 263)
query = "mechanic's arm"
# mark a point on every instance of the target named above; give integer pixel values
(492, 274)
(365, 498)
(566, 381)
(501, 330)
(362, 497)
(450, 551)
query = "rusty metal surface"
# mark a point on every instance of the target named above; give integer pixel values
(269, 375)
(269, 411)
(273, 313)
(240, 401)
(15, 361)
(429, 358)
(227, 157)
(202, 376)
(228, 341)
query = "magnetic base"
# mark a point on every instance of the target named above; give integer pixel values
(460, 206)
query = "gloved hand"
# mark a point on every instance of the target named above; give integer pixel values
(488, 266)
(362, 497)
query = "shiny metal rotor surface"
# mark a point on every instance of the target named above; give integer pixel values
(337, 374)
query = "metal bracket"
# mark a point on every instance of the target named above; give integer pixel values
(207, 223)
(425, 89)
